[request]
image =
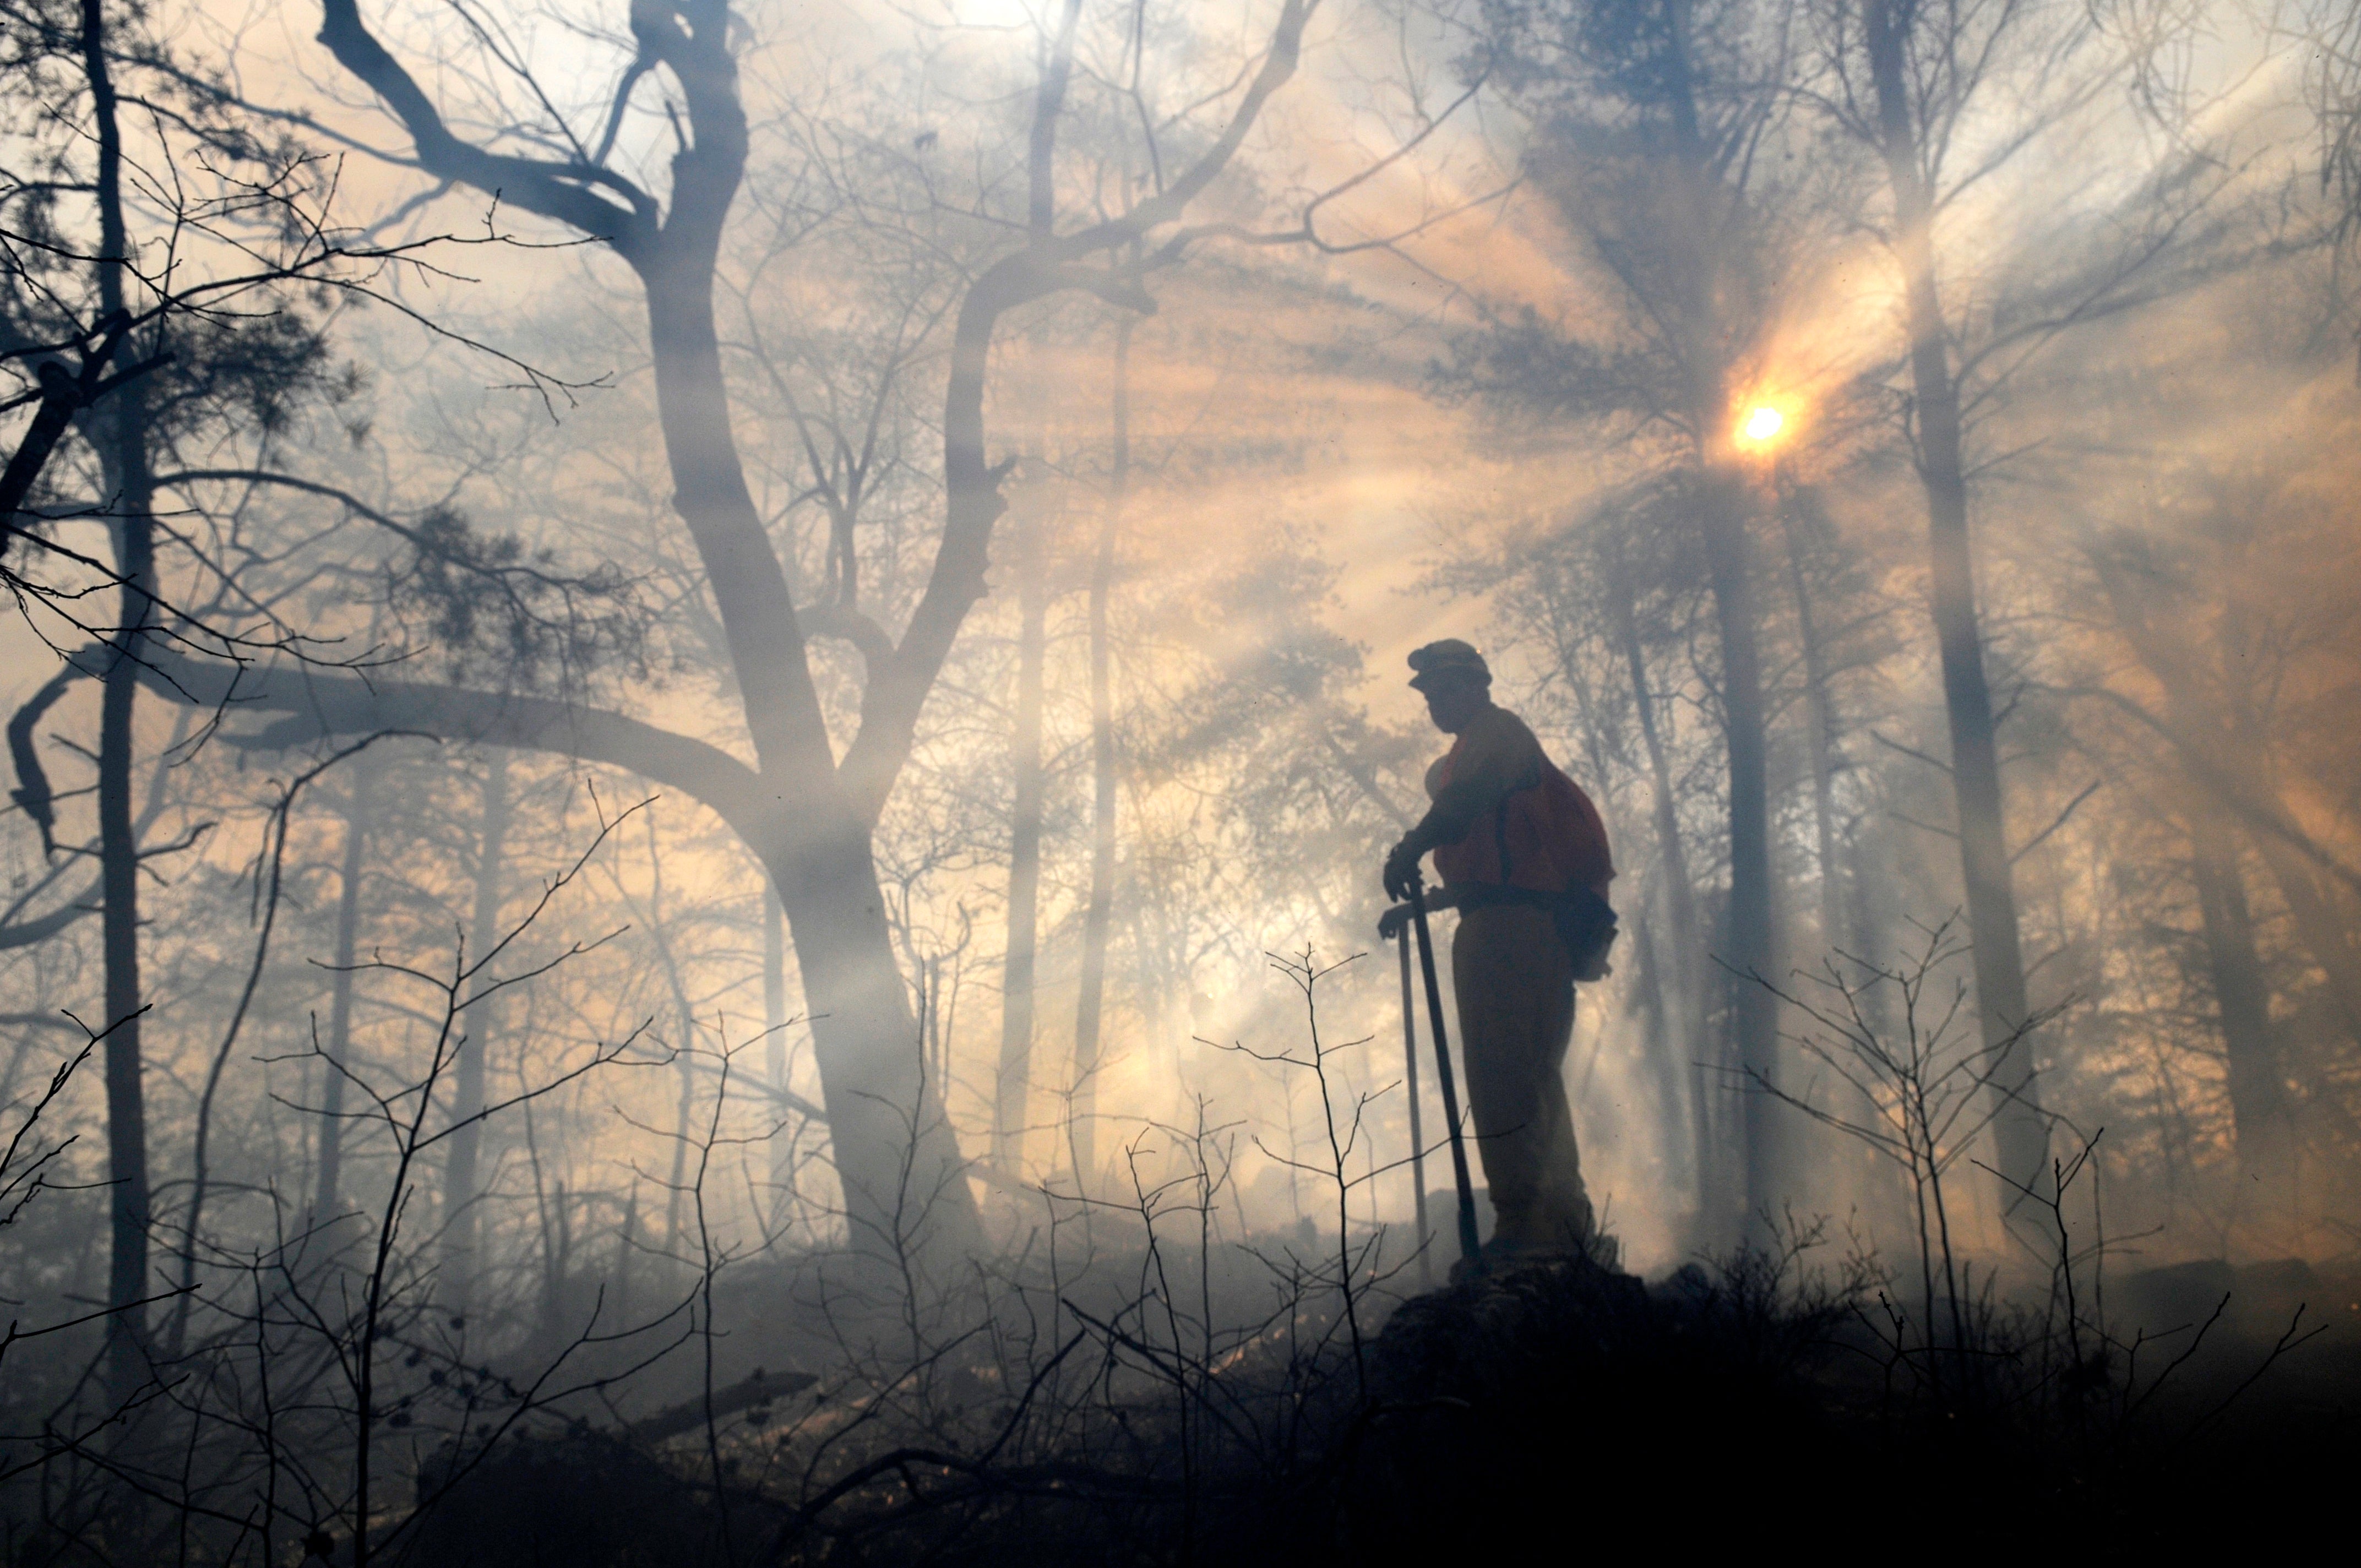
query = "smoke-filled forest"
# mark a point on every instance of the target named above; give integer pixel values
(716, 851)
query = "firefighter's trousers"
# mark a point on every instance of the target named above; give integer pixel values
(1515, 986)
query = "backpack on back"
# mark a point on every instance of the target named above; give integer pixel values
(1546, 846)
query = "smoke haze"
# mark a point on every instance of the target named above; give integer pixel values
(1456, 341)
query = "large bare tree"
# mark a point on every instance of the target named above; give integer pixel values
(808, 814)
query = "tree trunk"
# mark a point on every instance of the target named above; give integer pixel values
(127, 1115)
(460, 1189)
(1011, 1102)
(775, 986)
(1686, 999)
(2020, 1131)
(684, 1104)
(775, 1054)
(743, 571)
(1098, 917)
(1819, 746)
(626, 1241)
(1652, 1000)
(120, 434)
(2241, 996)
(1750, 938)
(815, 838)
(340, 995)
(905, 1193)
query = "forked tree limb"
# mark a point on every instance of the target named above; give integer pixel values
(1048, 264)
(569, 191)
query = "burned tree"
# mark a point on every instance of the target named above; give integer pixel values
(809, 815)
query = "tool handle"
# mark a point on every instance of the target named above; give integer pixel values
(1468, 1245)
(1417, 1131)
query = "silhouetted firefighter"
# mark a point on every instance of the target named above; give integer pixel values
(1523, 856)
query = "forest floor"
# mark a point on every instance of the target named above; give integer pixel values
(1564, 1408)
(1695, 1413)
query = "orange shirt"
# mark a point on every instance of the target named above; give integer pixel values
(1548, 830)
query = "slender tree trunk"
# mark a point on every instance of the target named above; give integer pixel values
(1820, 744)
(120, 434)
(931, 1004)
(1871, 911)
(460, 1189)
(1686, 992)
(127, 1115)
(626, 1243)
(684, 1056)
(1151, 982)
(553, 1275)
(1015, 1081)
(548, 1221)
(1098, 917)
(2020, 1131)
(1653, 1001)
(775, 986)
(1750, 938)
(2242, 995)
(775, 1033)
(338, 1049)
(684, 1104)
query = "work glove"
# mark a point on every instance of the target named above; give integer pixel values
(1401, 873)
(1390, 924)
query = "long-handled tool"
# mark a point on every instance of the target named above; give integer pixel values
(1468, 1245)
(1417, 1132)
